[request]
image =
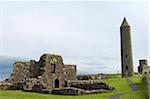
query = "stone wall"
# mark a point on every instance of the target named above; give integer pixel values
(20, 72)
(34, 69)
(76, 82)
(78, 87)
(23, 70)
(4, 85)
(71, 72)
(67, 91)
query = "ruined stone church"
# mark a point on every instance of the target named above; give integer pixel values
(50, 76)
(50, 71)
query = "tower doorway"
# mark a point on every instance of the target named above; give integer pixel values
(56, 83)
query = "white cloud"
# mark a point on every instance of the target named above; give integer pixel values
(79, 31)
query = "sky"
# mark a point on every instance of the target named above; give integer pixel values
(85, 33)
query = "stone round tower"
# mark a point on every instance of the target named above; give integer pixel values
(126, 49)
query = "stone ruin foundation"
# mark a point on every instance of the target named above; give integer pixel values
(50, 76)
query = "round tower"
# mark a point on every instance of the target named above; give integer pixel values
(126, 49)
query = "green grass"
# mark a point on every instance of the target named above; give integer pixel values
(140, 93)
(113, 75)
(119, 83)
(25, 95)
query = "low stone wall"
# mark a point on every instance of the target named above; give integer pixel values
(17, 86)
(76, 91)
(79, 87)
(75, 82)
(92, 77)
(94, 86)
(4, 86)
(68, 91)
(90, 85)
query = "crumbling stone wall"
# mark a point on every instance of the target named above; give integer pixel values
(67, 91)
(76, 87)
(71, 72)
(20, 72)
(34, 69)
(23, 70)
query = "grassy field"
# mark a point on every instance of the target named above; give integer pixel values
(119, 83)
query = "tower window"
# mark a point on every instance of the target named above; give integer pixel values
(126, 56)
(126, 67)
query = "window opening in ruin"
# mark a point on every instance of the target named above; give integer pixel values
(53, 68)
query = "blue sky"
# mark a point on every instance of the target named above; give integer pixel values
(86, 33)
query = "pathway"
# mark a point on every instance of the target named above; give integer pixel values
(133, 87)
(116, 96)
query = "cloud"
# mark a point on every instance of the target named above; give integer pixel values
(91, 64)
(84, 33)
(109, 58)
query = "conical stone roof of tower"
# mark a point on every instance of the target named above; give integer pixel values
(124, 23)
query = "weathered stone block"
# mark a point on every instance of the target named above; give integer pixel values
(67, 91)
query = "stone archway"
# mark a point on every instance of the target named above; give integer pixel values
(56, 83)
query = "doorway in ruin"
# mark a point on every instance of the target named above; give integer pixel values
(56, 83)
